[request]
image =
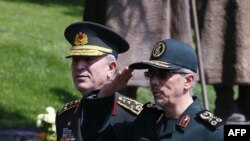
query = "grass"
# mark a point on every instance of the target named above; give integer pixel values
(34, 73)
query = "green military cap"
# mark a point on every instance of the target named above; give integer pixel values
(170, 54)
(92, 39)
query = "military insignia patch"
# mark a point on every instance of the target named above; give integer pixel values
(210, 118)
(130, 104)
(68, 106)
(184, 121)
(67, 135)
(81, 39)
(159, 49)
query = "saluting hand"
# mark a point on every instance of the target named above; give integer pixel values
(117, 83)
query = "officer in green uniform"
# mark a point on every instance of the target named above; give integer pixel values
(94, 52)
(176, 114)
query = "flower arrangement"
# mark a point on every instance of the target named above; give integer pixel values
(46, 125)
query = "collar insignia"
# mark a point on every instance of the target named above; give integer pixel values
(81, 39)
(184, 121)
(159, 49)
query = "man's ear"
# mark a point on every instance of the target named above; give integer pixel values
(189, 79)
(111, 69)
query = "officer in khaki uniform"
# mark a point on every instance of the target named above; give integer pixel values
(94, 51)
(176, 114)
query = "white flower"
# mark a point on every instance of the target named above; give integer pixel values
(50, 116)
(54, 128)
(40, 118)
(46, 123)
(38, 123)
(50, 110)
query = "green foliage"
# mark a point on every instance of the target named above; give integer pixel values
(34, 73)
(210, 95)
(144, 95)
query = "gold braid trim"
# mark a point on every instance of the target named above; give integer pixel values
(91, 47)
(88, 50)
(68, 106)
(86, 53)
(159, 63)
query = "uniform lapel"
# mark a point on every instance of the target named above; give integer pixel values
(166, 127)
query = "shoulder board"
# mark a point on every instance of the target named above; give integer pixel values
(68, 106)
(130, 104)
(209, 118)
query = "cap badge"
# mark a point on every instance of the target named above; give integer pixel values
(184, 121)
(81, 39)
(159, 49)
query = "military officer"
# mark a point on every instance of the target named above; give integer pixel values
(94, 52)
(176, 114)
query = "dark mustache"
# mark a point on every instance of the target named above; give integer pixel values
(155, 89)
(81, 72)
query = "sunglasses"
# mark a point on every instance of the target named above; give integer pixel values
(161, 74)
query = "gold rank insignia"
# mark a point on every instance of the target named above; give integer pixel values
(210, 118)
(68, 106)
(159, 49)
(81, 39)
(130, 104)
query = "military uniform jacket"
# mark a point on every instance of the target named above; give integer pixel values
(195, 124)
(69, 118)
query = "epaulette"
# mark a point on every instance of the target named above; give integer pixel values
(68, 106)
(209, 118)
(130, 104)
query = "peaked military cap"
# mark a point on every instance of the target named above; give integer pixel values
(170, 54)
(92, 39)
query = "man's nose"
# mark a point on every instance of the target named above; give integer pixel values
(154, 80)
(81, 65)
